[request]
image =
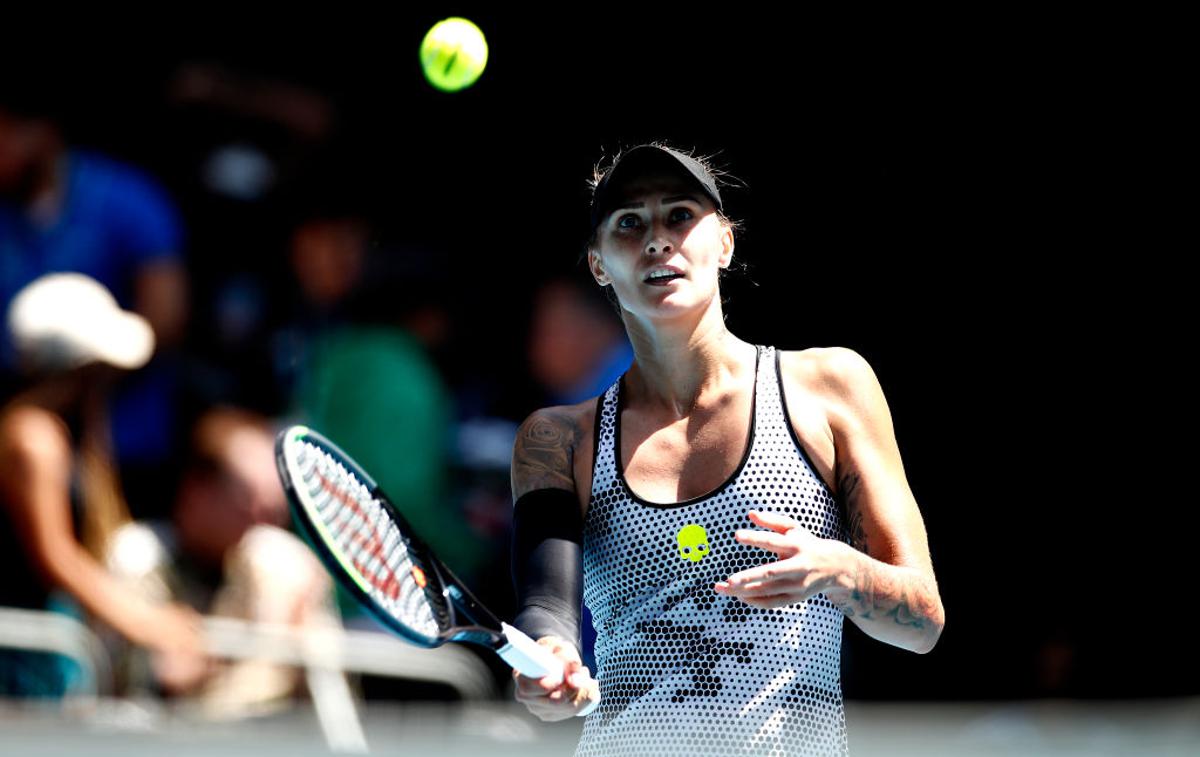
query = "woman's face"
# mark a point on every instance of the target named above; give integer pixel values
(661, 220)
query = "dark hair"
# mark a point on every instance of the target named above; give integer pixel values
(598, 173)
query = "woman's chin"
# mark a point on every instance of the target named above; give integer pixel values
(673, 306)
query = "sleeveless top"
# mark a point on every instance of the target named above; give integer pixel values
(685, 670)
(23, 586)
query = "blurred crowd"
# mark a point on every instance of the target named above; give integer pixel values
(162, 323)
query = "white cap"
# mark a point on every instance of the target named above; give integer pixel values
(64, 320)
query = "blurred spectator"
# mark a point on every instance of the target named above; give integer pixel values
(257, 130)
(225, 552)
(68, 209)
(577, 347)
(376, 394)
(243, 147)
(327, 258)
(60, 496)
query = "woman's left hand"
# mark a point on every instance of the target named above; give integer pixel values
(809, 564)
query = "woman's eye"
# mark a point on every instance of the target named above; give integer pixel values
(679, 213)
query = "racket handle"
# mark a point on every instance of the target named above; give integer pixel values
(526, 655)
(532, 659)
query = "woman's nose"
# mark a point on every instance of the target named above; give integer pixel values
(658, 244)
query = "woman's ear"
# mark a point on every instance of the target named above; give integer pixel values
(597, 268)
(727, 245)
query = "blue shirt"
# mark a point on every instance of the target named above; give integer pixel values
(113, 220)
(615, 362)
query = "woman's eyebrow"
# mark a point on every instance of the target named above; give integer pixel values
(676, 198)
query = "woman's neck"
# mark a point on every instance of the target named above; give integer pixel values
(79, 391)
(677, 366)
(58, 394)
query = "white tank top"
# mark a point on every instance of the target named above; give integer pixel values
(684, 670)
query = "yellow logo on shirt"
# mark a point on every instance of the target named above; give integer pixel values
(693, 542)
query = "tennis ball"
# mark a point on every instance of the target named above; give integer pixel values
(453, 54)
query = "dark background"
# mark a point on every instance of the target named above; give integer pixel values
(957, 199)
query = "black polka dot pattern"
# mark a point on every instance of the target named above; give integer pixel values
(684, 670)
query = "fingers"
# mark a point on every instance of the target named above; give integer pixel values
(563, 702)
(560, 647)
(528, 687)
(758, 590)
(779, 543)
(775, 521)
(771, 572)
(565, 651)
(788, 581)
(553, 698)
(580, 678)
(584, 697)
(576, 678)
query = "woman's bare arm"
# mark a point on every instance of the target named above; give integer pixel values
(547, 527)
(889, 590)
(547, 542)
(35, 470)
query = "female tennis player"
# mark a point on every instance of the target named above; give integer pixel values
(720, 508)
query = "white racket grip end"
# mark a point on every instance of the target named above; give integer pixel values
(526, 655)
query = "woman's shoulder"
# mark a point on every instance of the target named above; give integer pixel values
(547, 443)
(31, 434)
(817, 365)
(839, 377)
(580, 416)
(31, 424)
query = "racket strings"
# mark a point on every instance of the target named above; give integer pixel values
(360, 529)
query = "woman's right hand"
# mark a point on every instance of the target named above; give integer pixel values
(172, 628)
(177, 649)
(553, 699)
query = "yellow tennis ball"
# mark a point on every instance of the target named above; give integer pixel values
(453, 54)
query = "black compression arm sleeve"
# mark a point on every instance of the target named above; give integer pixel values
(547, 540)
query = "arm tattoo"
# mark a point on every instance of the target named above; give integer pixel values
(882, 591)
(878, 591)
(544, 453)
(849, 489)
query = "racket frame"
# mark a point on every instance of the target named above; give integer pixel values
(514, 647)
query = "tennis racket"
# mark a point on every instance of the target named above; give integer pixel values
(377, 556)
